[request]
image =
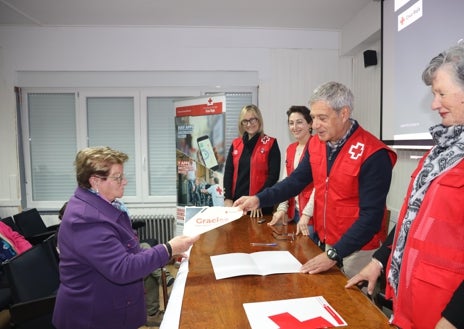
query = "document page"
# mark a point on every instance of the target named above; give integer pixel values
(307, 313)
(210, 218)
(257, 263)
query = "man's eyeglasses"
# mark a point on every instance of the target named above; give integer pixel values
(117, 179)
(251, 121)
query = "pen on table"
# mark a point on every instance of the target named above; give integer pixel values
(270, 244)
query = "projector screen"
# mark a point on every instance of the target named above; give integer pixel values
(413, 32)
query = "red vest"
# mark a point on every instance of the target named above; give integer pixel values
(433, 261)
(336, 205)
(304, 195)
(258, 163)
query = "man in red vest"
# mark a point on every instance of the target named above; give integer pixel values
(351, 170)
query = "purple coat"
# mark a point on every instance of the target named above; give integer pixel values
(101, 267)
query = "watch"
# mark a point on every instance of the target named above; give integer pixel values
(333, 255)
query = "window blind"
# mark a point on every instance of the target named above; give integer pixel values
(110, 122)
(52, 144)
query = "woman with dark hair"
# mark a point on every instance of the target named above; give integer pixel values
(297, 209)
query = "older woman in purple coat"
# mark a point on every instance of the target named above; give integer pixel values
(101, 263)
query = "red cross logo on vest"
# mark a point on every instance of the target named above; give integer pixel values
(356, 151)
(265, 139)
(219, 190)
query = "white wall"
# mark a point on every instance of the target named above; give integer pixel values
(289, 65)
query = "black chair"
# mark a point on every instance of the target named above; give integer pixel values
(379, 298)
(137, 225)
(32, 226)
(34, 280)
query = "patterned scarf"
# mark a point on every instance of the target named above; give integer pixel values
(117, 203)
(448, 152)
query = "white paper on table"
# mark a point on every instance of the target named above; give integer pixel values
(211, 218)
(171, 318)
(302, 309)
(257, 263)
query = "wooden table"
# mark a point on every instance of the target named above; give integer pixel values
(211, 303)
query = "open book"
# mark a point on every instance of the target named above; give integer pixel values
(257, 263)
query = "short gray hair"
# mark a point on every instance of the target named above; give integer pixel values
(452, 59)
(335, 94)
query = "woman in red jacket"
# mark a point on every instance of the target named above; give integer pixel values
(12, 242)
(297, 209)
(253, 162)
(425, 270)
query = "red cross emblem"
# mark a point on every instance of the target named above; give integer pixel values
(356, 151)
(288, 321)
(219, 190)
(265, 139)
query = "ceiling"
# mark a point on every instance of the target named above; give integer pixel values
(301, 14)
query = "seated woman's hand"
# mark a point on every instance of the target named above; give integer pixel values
(180, 244)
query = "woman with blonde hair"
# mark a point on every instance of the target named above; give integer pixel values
(253, 161)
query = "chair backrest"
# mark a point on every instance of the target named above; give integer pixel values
(30, 222)
(34, 273)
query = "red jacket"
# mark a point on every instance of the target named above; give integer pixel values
(16, 240)
(258, 164)
(336, 205)
(433, 261)
(304, 195)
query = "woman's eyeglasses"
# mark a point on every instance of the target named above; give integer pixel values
(251, 121)
(117, 179)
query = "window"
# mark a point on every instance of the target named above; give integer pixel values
(51, 143)
(57, 123)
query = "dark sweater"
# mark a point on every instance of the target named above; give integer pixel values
(374, 183)
(242, 187)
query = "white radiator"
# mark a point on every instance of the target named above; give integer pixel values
(159, 227)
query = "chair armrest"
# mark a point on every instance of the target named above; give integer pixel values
(26, 311)
(38, 238)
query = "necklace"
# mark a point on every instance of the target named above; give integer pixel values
(299, 150)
